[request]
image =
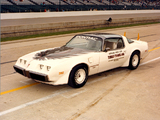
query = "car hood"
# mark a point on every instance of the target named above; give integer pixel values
(59, 53)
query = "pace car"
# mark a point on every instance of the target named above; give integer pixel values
(84, 55)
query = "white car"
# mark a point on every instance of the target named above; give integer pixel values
(84, 55)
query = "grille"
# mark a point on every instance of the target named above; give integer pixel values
(19, 70)
(38, 76)
(33, 75)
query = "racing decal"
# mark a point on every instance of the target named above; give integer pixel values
(115, 56)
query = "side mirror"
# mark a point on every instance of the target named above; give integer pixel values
(107, 49)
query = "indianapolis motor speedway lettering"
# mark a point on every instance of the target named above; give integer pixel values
(115, 56)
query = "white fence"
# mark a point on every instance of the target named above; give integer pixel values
(74, 13)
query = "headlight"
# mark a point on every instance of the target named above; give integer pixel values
(41, 66)
(25, 61)
(20, 60)
(48, 68)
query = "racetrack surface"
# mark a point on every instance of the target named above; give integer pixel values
(118, 94)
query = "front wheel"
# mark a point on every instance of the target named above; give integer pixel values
(78, 77)
(134, 60)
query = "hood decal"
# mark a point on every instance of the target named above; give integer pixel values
(58, 53)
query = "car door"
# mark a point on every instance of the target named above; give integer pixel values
(113, 54)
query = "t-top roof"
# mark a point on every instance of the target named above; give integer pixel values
(102, 35)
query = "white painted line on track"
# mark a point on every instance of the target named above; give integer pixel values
(93, 81)
(75, 94)
(62, 91)
(34, 102)
(26, 81)
(149, 61)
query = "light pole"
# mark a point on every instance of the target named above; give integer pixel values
(109, 4)
(59, 5)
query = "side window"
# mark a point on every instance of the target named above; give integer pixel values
(113, 43)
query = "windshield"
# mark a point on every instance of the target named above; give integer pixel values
(85, 42)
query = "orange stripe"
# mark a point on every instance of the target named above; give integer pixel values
(5, 92)
(153, 49)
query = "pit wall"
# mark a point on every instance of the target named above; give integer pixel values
(5, 16)
(22, 30)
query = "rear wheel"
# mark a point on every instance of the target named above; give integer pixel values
(78, 77)
(134, 60)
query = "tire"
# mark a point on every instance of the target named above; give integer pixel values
(134, 60)
(78, 77)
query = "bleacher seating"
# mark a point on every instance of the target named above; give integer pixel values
(75, 5)
(23, 2)
(5, 2)
(98, 2)
(42, 2)
(87, 2)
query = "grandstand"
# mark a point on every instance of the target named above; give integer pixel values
(75, 5)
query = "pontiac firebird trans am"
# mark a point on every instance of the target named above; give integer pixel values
(84, 55)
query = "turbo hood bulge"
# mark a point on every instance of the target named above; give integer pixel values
(59, 53)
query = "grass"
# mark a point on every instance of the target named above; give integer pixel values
(72, 31)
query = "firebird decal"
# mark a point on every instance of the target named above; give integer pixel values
(58, 53)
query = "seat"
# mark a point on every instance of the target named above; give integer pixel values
(111, 45)
(119, 45)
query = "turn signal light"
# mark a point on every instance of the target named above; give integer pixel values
(60, 73)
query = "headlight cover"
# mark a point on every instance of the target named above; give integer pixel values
(24, 62)
(41, 66)
(44, 67)
(48, 68)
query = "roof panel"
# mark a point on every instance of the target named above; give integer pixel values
(103, 35)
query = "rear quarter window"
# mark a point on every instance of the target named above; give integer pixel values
(129, 40)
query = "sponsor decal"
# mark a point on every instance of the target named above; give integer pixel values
(115, 56)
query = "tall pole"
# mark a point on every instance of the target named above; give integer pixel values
(59, 5)
(109, 4)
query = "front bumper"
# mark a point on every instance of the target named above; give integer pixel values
(31, 74)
